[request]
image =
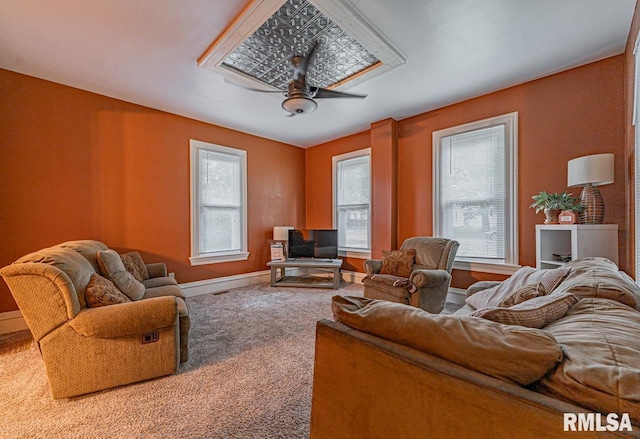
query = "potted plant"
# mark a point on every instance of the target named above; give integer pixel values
(553, 204)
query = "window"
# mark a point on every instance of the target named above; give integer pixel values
(218, 204)
(352, 202)
(475, 191)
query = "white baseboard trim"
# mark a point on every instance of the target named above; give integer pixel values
(354, 277)
(12, 321)
(456, 295)
(220, 284)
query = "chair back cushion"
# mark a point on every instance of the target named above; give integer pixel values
(76, 267)
(432, 253)
(88, 248)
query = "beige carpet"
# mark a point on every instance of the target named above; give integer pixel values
(249, 376)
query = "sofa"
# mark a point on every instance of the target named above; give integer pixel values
(559, 357)
(95, 324)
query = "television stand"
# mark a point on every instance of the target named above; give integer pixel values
(282, 280)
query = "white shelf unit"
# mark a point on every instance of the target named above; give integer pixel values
(577, 240)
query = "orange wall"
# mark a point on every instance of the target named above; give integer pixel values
(319, 187)
(77, 165)
(384, 187)
(562, 116)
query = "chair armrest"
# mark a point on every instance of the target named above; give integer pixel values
(157, 269)
(127, 318)
(372, 266)
(480, 286)
(429, 278)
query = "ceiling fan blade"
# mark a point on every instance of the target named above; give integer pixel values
(301, 63)
(253, 89)
(319, 93)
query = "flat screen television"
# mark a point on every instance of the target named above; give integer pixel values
(313, 243)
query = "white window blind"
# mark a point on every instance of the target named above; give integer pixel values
(352, 201)
(475, 190)
(218, 203)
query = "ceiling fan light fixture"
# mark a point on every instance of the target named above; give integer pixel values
(299, 105)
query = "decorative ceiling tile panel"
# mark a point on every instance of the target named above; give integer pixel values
(266, 54)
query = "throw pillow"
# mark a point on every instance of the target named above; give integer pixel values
(113, 269)
(102, 292)
(398, 262)
(492, 297)
(512, 353)
(534, 313)
(134, 264)
(523, 294)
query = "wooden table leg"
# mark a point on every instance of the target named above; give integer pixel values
(336, 278)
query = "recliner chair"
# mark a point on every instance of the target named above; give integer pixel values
(90, 349)
(429, 281)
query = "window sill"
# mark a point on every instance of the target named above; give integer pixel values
(354, 254)
(218, 258)
(485, 267)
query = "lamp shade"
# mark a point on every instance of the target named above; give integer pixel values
(596, 169)
(281, 233)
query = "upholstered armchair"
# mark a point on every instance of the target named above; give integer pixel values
(422, 281)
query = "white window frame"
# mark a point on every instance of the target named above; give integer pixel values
(350, 252)
(511, 263)
(201, 258)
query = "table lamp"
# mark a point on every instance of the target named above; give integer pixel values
(591, 171)
(281, 234)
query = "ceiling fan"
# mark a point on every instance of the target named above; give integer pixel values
(300, 96)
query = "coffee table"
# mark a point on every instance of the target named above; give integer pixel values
(331, 265)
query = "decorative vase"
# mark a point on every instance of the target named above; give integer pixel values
(551, 216)
(591, 199)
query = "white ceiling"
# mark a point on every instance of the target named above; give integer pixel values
(145, 52)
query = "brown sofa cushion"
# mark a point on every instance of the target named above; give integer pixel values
(600, 277)
(102, 292)
(113, 269)
(512, 353)
(398, 262)
(601, 369)
(534, 313)
(134, 264)
(153, 282)
(491, 297)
